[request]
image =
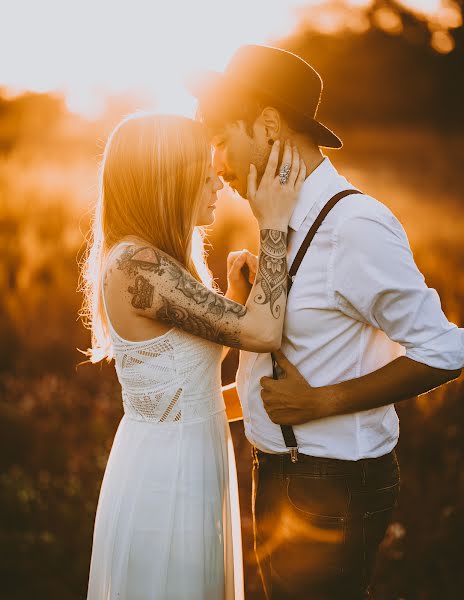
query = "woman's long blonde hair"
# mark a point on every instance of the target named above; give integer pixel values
(151, 178)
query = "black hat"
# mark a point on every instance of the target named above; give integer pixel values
(280, 75)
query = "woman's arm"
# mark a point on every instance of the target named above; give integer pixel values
(159, 288)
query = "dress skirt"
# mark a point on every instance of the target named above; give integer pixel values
(167, 525)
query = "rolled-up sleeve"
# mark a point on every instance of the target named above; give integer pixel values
(375, 280)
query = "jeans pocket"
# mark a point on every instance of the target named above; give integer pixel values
(323, 499)
(316, 521)
(382, 500)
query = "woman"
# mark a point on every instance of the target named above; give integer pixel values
(163, 522)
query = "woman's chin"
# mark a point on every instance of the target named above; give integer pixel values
(207, 219)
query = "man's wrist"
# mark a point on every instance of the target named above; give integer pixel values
(329, 398)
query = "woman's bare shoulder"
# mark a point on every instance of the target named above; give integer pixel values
(133, 257)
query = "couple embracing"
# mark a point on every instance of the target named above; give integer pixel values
(334, 322)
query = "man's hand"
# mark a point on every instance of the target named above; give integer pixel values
(290, 400)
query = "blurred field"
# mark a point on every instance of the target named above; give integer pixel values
(57, 420)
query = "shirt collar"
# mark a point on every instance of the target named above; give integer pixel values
(313, 188)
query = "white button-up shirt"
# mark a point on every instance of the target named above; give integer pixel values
(358, 302)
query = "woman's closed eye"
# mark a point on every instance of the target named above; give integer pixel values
(219, 143)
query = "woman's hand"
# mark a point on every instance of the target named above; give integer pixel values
(272, 202)
(241, 273)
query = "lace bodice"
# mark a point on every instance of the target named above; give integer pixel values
(175, 377)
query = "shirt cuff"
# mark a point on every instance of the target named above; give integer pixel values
(447, 354)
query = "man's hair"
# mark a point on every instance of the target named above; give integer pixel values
(243, 105)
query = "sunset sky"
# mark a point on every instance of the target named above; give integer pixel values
(89, 48)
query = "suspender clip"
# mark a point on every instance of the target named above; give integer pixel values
(294, 455)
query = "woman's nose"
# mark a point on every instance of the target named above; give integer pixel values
(218, 185)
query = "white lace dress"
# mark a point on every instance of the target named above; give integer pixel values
(167, 525)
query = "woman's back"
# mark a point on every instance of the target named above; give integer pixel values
(163, 527)
(175, 377)
(169, 378)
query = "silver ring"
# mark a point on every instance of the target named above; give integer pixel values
(284, 173)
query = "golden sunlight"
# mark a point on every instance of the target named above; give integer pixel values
(88, 50)
(108, 47)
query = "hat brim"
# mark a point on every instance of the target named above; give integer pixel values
(212, 84)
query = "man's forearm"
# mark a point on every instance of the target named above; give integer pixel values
(401, 379)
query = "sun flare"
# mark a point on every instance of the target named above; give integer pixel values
(89, 49)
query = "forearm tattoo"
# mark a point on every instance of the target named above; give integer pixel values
(173, 313)
(272, 270)
(219, 322)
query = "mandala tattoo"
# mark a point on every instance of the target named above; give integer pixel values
(181, 317)
(142, 293)
(272, 269)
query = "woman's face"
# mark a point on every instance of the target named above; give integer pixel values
(208, 198)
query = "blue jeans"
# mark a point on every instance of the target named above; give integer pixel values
(318, 523)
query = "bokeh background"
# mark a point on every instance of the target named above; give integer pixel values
(394, 91)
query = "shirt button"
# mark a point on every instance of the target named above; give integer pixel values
(247, 419)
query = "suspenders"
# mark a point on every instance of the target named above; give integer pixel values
(287, 430)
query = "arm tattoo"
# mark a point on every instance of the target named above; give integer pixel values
(272, 269)
(142, 292)
(202, 327)
(219, 321)
(131, 265)
(216, 306)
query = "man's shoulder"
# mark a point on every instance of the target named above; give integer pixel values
(363, 205)
(360, 209)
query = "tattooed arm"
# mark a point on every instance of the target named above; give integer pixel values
(159, 288)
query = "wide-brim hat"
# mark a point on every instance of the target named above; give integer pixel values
(292, 83)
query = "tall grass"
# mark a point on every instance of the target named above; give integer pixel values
(57, 421)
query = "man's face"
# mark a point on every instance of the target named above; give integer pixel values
(235, 150)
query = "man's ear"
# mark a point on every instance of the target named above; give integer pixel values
(272, 122)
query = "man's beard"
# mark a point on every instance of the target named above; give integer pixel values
(240, 188)
(260, 157)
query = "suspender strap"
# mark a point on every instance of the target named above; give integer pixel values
(287, 430)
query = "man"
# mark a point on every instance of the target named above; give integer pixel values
(362, 332)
